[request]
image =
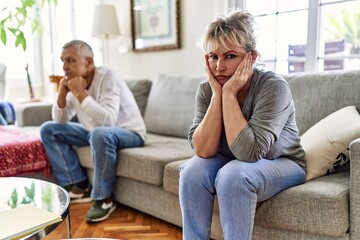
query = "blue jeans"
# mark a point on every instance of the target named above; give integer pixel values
(238, 186)
(60, 141)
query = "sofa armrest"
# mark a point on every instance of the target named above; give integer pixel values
(33, 114)
(355, 189)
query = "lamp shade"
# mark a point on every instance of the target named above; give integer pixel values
(105, 23)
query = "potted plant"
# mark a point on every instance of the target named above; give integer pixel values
(14, 20)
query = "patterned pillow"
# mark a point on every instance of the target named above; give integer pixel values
(327, 143)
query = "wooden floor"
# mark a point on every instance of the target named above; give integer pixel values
(125, 223)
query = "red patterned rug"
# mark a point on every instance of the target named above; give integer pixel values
(21, 152)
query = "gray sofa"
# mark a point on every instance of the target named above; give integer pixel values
(325, 208)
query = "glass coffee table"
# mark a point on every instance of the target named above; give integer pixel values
(16, 191)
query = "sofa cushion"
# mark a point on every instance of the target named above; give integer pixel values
(33, 113)
(327, 143)
(295, 208)
(147, 163)
(171, 104)
(316, 95)
(140, 89)
(320, 206)
(171, 176)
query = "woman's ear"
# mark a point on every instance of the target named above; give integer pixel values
(254, 56)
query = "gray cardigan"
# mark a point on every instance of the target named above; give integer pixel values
(269, 109)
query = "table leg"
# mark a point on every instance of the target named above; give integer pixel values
(68, 225)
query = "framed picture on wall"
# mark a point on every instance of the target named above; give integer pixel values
(155, 25)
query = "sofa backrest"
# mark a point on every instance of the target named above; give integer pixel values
(140, 89)
(167, 103)
(171, 103)
(317, 95)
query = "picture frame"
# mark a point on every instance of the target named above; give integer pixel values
(155, 25)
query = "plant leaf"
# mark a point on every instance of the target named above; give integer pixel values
(3, 36)
(20, 39)
(14, 19)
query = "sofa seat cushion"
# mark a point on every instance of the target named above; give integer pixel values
(310, 207)
(171, 176)
(320, 206)
(147, 163)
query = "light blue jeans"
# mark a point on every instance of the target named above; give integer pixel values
(60, 141)
(238, 186)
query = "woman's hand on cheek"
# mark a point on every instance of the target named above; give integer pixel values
(215, 85)
(240, 76)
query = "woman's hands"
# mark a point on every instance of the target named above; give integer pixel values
(240, 77)
(234, 93)
(237, 81)
(215, 85)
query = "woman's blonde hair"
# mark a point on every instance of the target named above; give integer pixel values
(235, 26)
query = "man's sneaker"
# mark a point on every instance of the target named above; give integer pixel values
(78, 195)
(100, 211)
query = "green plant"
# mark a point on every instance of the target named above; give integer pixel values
(14, 21)
(347, 26)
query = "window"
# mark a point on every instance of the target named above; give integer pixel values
(339, 35)
(15, 58)
(67, 21)
(306, 35)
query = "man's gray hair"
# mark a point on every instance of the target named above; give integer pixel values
(84, 49)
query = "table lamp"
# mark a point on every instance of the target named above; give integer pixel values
(105, 26)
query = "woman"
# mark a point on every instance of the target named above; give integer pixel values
(244, 135)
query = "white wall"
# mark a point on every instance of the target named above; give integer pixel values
(195, 15)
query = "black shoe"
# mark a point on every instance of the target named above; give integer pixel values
(78, 195)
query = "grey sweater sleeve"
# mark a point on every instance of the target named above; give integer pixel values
(202, 102)
(268, 113)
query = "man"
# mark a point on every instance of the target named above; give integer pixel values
(108, 119)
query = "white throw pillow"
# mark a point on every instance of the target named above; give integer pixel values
(327, 143)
